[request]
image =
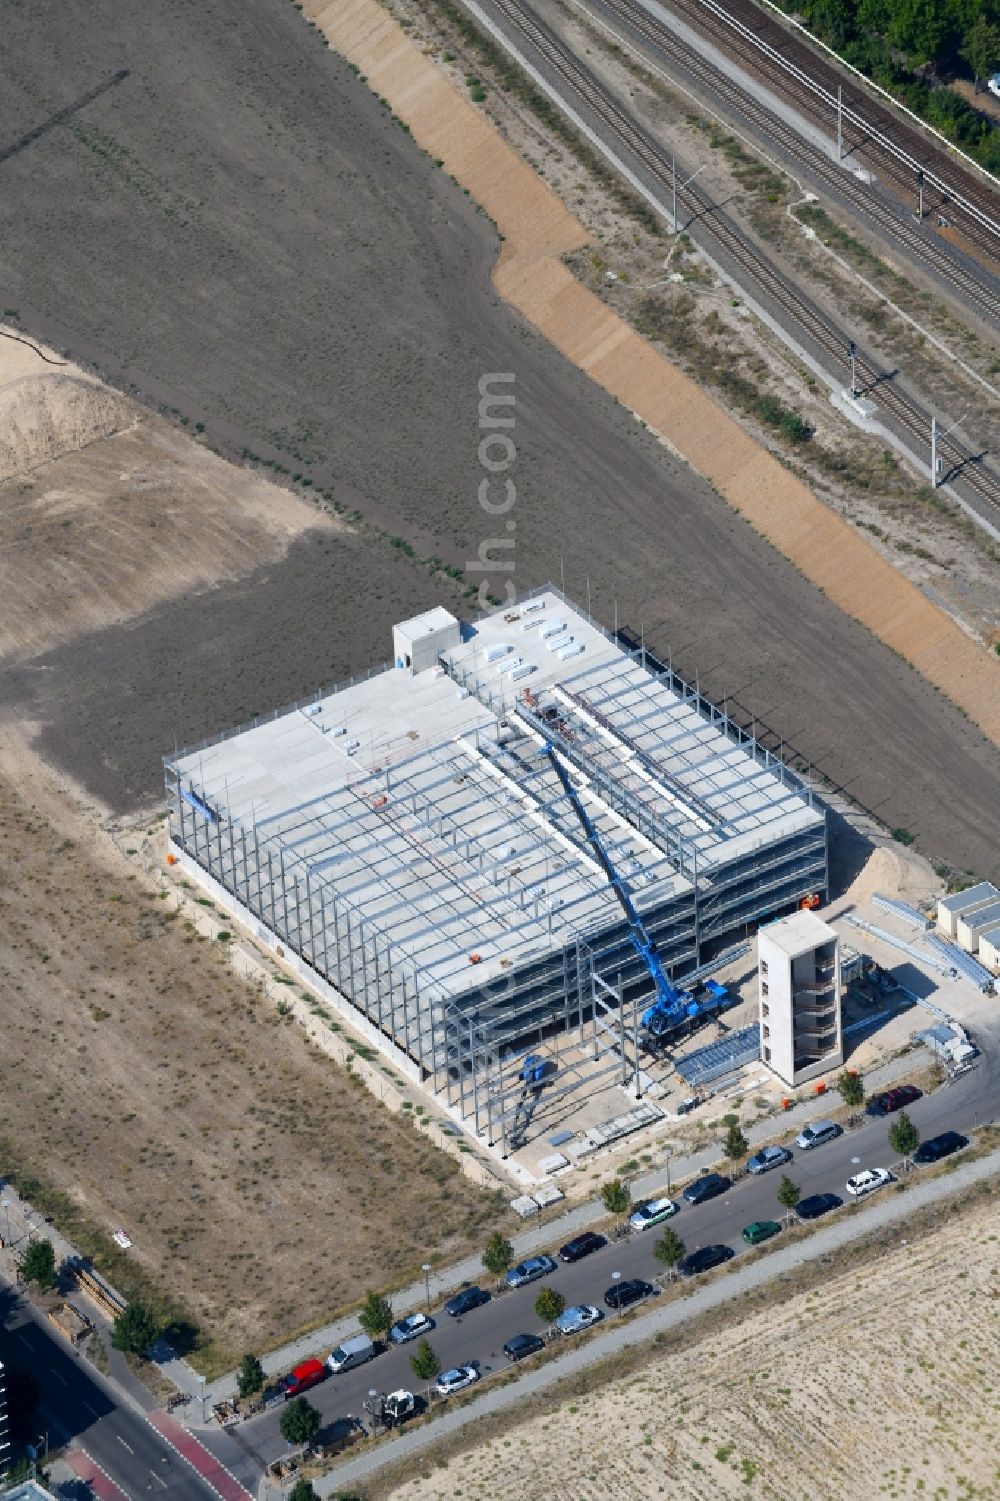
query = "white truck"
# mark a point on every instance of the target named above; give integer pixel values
(951, 1044)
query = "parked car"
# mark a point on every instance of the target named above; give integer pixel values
(893, 1099)
(456, 1380)
(522, 1345)
(624, 1294)
(817, 1204)
(868, 1181)
(816, 1134)
(580, 1316)
(706, 1187)
(353, 1352)
(760, 1230)
(937, 1147)
(704, 1259)
(767, 1158)
(299, 1380)
(581, 1245)
(535, 1266)
(465, 1301)
(651, 1212)
(414, 1326)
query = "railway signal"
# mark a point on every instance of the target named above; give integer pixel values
(935, 439)
(920, 195)
(852, 350)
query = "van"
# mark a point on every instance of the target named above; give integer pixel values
(816, 1134)
(351, 1353)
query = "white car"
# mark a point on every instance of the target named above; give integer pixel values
(652, 1212)
(869, 1181)
(579, 1317)
(456, 1380)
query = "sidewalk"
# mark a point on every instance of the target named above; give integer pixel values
(885, 1212)
(446, 1280)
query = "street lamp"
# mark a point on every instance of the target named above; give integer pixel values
(202, 1380)
(6, 1210)
(427, 1284)
(670, 1153)
(616, 1277)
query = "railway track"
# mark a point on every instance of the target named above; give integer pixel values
(747, 33)
(634, 18)
(761, 274)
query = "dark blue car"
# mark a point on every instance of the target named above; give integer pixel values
(466, 1301)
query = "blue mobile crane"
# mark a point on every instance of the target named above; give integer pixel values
(672, 1006)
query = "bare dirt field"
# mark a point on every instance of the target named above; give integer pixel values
(290, 270)
(147, 1086)
(879, 1383)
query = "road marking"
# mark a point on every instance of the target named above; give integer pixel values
(159, 1478)
(59, 1378)
(124, 1444)
(25, 1341)
(92, 1410)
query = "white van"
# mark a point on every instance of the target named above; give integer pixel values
(352, 1352)
(816, 1134)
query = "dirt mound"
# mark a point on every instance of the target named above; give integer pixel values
(47, 415)
(891, 872)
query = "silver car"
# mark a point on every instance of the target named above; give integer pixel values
(767, 1158)
(456, 1380)
(580, 1316)
(528, 1271)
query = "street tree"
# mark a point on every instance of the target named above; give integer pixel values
(789, 1193)
(135, 1329)
(735, 1145)
(616, 1197)
(250, 1376)
(549, 1305)
(904, 1138)
(375, 1317)
(498, 1255)
(424, 1362)
(851, 1088)
(981, 49)
(299, 1422)
(39, 1264)
(669, 1249)
(302, 1490)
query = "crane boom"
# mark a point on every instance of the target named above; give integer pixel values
(673, 1005)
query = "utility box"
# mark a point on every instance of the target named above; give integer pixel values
(418, 643)
(951, 908)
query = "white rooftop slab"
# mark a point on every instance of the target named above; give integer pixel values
(972, 896)
(421, 800)
(799, 933)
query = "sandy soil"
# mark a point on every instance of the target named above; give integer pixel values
(849, 1392)
(106, 510)
(539, 230)
(158, 1091)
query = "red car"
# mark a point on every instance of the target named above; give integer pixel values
(308, 1374)
(894, 1099)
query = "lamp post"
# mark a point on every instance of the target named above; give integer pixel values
(427, 1284)
(670, 1153)
(852, 350)
(202, 1380)
(616, 1278)
(6, 1210)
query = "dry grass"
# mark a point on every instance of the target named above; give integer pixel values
(146, 1086)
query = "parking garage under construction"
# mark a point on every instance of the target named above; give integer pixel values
(405, 845)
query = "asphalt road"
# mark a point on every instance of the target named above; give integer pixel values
(77, 1405)
(478, 1337)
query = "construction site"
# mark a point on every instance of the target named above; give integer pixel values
(511, 852)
